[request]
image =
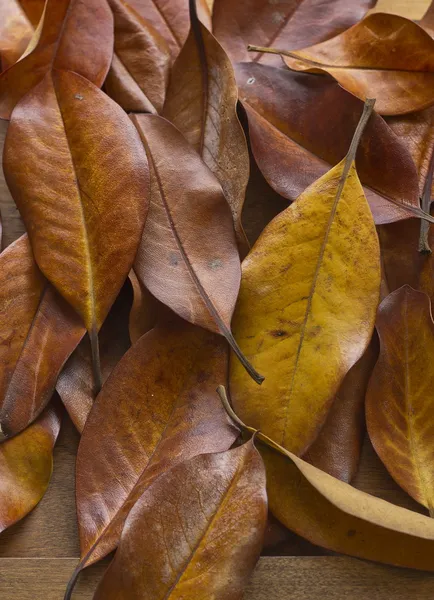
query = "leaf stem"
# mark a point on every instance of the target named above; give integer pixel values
(243, 360)
(72, 582)
(252, 48)
(96, 362)
(424, 247)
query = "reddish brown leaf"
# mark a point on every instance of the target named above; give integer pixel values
(83, 191)
(38, 332)
(287, 24)
(76, 35)
(400, 399)
(427, 21)
(202, 103)
(337, 448)
(75, 383)
(158, 408)
(139, 72)
(26, 463)
(188, 258)
(171, 19)
(385, 57)
(15, 32)
(203, 519)
(301, 125)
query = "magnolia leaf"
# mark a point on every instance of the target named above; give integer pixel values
(26, 463)
(15, 32)
(307, 304)
(385, 56)
(188, 258)
(157, 409)
(204, 518)
(202, 103)
(400, 402)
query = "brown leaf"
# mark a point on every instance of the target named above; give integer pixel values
(15, 32)
(143, 314)
(11, 226)
(26, 463)
(196, 533)
(171, 19)
(38, 332)
(139, 72)
(157, 409)
(281, 24)
(400, 400)
(76, 35)
(294, 143)
(188, 258)
(427, 21)
(75, 383)
(202, 103)
(83, 157)
(33, 10)
(338, 446)
(386, 57)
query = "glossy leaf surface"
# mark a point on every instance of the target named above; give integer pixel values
(38, 332)
(76, 35)
(334, 515)
(157, 409)
(85, 209)
(26, 463)
(139, 72)
(400, 400)
(386, 57)
(306, 309)
(204, 518)
(338, 446)
(75, 384)
(292, 150)
(191, 268)
(293, 24)
(202, 103)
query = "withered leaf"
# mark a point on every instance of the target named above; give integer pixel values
(307, 304)
(38, 332)
(15, 32)
(171, 19)
(294, 144)
(281, 24)
(75, 35)
(26, 463)
(384, 56)
(75, 383)
(78, 173)
(188, 258)
(157, 409)
(143, 314)
(197, 532)
(139, 72)
(400, 401)
(202, 103)
(338, 446)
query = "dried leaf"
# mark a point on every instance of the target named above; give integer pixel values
(75, 383)
(384, 56)
(157, 409)
(292, 150)
(139, 72)
(33, 10)
(338, 446)
(334, 515)
(38, 332)
(85, 208)
(399, 403)
(26, 463)
(76, 35)
(201, 102)
(427, 21)
(282, 24)
(143, 314)
(307, 304)
(171, 19)
(204, 518)
(191, 268)
(15, 32)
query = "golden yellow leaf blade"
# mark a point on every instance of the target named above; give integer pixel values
(306, 310)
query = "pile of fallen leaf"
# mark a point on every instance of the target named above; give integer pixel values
(145, 155)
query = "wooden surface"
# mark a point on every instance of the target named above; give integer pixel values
(38, 555)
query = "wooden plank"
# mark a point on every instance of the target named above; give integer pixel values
(281, 578)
